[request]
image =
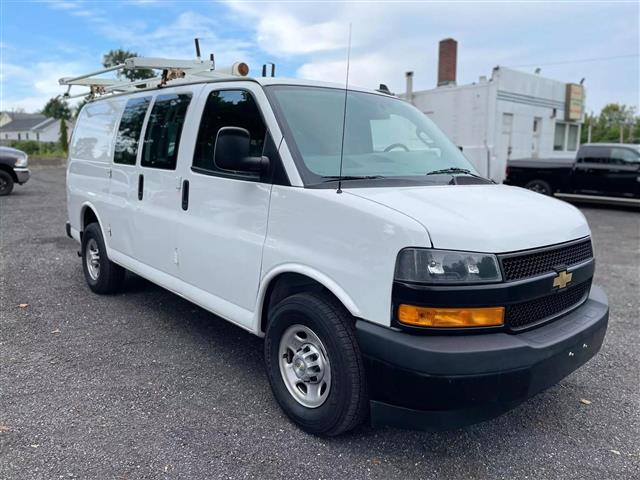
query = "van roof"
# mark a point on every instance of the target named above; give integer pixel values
(264, 81)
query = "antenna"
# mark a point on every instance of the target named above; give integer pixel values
(344, 113)
(197, 43)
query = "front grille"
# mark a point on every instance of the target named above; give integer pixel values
(525, 314)
(531, 264)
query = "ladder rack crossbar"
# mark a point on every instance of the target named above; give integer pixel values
(69, 81)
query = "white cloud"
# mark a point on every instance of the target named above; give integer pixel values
(284, 35)
(32, 88)
(391, 38)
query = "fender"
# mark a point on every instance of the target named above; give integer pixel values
(83, 208)
(307, 271)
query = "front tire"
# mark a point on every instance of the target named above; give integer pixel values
(102, 275)
(314, 364)
(6, 183)
(539, 186)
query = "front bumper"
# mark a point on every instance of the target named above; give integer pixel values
(442, 382)
(22, 174)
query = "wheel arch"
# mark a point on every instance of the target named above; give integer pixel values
(89, 214)
(287, 280)
(6, 168)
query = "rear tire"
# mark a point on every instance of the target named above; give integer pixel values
(102, 275)
(6, 183)
(539, 186)
(325, 334)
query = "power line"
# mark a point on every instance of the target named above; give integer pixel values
(583, 60)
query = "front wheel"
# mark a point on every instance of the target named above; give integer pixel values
(101, 274)
(6, 183)
(314, 364)
(539, 186)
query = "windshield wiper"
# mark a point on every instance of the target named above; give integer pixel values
(332, 178)
(447, 171)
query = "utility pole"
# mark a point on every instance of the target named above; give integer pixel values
(589, 132)
(621, 132)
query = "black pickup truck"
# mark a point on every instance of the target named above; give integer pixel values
(607, 169)
(13, 169)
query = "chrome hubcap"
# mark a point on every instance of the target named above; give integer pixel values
(92, 257)
(304, 366)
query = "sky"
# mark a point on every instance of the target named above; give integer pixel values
(41, 41)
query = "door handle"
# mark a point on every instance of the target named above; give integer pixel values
(140, 186)
(185, 194)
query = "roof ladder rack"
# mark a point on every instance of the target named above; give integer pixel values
(172, 69)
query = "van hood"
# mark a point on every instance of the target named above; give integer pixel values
(483, 218)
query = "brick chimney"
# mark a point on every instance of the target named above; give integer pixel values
(447, 61)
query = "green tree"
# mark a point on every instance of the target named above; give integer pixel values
(57, 108)
(606, 126)
(117, 57)
(64, 136)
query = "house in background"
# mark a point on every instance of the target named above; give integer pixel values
(29, 126)
(510, 115)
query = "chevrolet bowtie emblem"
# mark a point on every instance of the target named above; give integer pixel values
(563, 279)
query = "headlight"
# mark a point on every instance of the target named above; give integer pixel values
(22, 161)
(422, 265)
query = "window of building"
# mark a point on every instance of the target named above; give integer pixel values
(162, 138)
(126, 149)
(228, 108)
(572, 138)
(26, 136)
(19, 137)
(558, 137)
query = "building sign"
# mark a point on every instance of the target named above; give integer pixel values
(574, 103)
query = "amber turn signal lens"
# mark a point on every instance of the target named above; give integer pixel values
(243, 69)
(450, 317)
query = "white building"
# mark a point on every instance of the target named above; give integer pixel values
(30, 126)
(508, 116)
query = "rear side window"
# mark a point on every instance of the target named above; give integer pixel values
(126, 149)
(162, 139)
(92, 138)
(600, 155)
(228, 108)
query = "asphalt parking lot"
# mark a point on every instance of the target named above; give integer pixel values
(146, 385)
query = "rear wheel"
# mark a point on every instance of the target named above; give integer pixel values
(314, 364)
(102, 275)
(539, 186)
(6, 183)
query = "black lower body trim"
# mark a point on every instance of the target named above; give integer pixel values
(443, 382)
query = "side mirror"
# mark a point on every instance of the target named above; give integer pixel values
(232, 151)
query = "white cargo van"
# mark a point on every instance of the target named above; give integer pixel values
(387, 278)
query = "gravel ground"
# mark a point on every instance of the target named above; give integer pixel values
(147, 385)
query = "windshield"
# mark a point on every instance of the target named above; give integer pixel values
(384, 136)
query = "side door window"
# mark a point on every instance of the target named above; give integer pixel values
(128, 138)
(162, 139)
(228, 108)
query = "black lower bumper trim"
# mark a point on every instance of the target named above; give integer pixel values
(67, 228)
(436, 382)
